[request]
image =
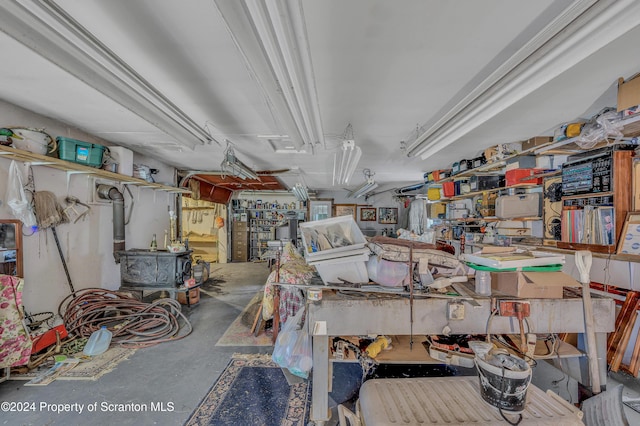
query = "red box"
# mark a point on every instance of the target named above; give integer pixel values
(523, 176)
(441, 174)
(449, 189)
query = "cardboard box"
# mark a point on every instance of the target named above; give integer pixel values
(628, 92)
(536, 141)
(521, 162)
(532, 285)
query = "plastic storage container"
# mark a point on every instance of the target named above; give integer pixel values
(89, 154)
(349, 268)
(387, 273)
(483, 283)
(331, 236)
(98, 342)
(124, 158)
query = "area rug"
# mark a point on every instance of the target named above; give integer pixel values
(239, 332)
(91, 369)
(252, 390)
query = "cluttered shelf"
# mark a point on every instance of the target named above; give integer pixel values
(490, 219)
(400, 350)
(73, 168)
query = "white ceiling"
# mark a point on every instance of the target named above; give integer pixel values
(384, 67)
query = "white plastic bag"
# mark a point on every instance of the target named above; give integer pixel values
(17, 198)
(301, 359)
(284, 351)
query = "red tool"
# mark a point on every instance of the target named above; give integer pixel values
(48, 338)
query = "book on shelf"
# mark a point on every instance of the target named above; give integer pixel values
(590, 225)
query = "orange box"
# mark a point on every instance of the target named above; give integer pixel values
(194, 296)
(441, 174)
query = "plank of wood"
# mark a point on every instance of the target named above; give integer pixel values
(635, 359)
(627, 327)
(628, 309)
(256, 319)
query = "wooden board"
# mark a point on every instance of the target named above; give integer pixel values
(618, 340)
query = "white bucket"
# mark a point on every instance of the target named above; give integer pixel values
(33, 140)
(504, 388)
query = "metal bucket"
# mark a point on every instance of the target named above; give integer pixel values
(504, 388)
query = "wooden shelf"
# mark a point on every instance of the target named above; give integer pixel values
(199, 208)
(203, 239)
(74, 168)
(492, 219)
(400, 351)
(489, 191)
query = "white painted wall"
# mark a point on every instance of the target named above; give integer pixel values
(384, 199)
(87, 245)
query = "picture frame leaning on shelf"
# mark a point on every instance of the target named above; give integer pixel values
(630, 237)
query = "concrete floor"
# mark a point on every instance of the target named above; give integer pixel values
(179, 372)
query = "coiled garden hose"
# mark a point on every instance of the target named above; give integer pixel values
(133, 323)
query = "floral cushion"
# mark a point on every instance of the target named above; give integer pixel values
(15, 343)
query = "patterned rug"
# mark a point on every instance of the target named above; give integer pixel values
(91, 369)
(252, 390)
(239, 332)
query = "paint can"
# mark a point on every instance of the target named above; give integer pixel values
(505, 386)
(314, 294)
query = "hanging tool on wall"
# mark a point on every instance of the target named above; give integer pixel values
(49, 214)
(70, 211)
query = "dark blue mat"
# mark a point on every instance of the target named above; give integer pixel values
(252, 390)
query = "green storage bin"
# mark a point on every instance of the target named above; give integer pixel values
(89, 154)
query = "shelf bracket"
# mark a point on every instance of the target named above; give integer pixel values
(40, 163)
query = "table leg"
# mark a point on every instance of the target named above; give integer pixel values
(321, 378)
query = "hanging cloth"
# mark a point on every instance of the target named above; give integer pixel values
(417, 216)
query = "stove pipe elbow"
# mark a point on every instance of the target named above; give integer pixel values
(112, 193)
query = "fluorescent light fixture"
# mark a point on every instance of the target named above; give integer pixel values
(271, 35)
(345, 162)
(583, 28)
(47, 29)
(233, 166)
(300, 192)
(364, 189)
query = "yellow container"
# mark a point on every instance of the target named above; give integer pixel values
(433, 194)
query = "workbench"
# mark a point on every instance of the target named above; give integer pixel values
(335, 315)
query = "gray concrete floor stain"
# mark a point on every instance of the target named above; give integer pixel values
(179, 372)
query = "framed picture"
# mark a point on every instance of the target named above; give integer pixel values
(346, 210)
(320, 209)
(630, 237)
(367, 214)
(387, 215)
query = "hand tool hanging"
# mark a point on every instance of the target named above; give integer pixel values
(583, 263)
(49, 214)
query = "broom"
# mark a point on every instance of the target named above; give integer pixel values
(49, 214)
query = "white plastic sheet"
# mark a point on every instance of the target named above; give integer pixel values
(17, 199)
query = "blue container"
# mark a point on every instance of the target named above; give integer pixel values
(89, 154)
(98, 342)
